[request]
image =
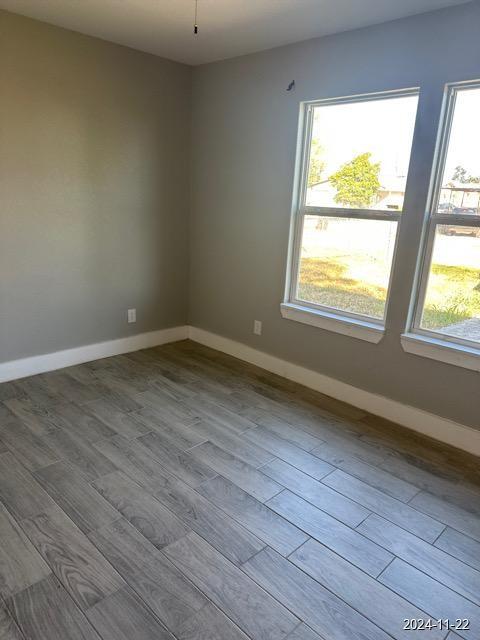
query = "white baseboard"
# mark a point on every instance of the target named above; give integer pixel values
(68, 357)
(428, 424)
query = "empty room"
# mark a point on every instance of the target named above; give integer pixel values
(239, 320)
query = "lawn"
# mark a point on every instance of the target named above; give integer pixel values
(453, 292)
(453, 295)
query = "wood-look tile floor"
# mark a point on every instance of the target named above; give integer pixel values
(180, 493)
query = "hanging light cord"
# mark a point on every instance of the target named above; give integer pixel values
(195, 25)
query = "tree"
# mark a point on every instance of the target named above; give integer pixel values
(357, 182)
(462, 176)
(317, 165)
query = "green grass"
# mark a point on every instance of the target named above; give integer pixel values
(326, 282)
(453, 292)
(453, 295)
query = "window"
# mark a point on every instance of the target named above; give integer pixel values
(354, 162)
(448, 305)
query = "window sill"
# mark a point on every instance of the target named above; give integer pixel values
(361, 329)
(442, 350)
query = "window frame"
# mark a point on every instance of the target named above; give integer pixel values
(292, 304)
(434, 219)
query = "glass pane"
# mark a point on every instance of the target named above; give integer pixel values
(360, 153)
(460, 192)
(452, 303)
(345, 263)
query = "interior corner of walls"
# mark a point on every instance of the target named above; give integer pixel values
(33, 365)
(125, 241)
(429, 424)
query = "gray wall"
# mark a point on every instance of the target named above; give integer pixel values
(244, 137)
(94, 157)
(94, 192)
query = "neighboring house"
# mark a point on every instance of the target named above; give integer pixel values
(390, 195)
(391, 192)
(461, 194)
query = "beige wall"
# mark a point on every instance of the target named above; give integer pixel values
(244, 138)
(94, 154)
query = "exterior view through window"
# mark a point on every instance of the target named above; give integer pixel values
(449, 297)
(356, 155)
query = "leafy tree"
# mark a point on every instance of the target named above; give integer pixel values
(317, 164)
(357, 182)
(462, 176)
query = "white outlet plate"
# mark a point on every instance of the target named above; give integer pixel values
(257, 327)
(132, 315)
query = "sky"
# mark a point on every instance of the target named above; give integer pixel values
(464, 146)
(383, 127)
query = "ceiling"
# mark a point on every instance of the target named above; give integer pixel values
(227, 28)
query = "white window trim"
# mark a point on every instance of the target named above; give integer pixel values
(424, 342)
(369, 331)
(337, 320)
(441, 350)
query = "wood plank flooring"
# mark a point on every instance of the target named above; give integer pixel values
(177, 493)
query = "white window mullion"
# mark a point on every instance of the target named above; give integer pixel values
(361, 214)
